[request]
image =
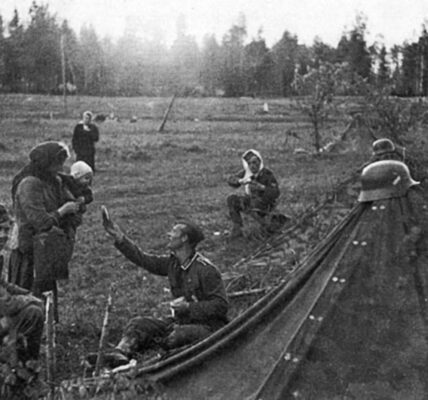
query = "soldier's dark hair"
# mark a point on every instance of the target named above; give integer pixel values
(193, 232)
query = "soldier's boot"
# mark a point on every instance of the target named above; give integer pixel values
(120, 355)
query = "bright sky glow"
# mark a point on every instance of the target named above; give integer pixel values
(388, 21)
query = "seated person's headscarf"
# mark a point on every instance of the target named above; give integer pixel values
(248, 176)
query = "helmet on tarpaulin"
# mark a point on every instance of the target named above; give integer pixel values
(384, 180)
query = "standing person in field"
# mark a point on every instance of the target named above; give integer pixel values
(41, 205)
(200, 303)
(260, 190)
(85, 136)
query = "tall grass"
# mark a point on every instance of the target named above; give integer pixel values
(148, 180)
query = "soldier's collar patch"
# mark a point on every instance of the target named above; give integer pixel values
(189, 262)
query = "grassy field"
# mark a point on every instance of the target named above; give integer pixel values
(148, 180)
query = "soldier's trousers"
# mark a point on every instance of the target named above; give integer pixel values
(146, 332)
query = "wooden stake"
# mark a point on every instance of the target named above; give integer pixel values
(104, 331)
(165, 116)
(55, 302)
(248, 292)
(50, 349)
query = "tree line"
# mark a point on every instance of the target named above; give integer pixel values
(39, 55)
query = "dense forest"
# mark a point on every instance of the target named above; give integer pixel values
(38, 52)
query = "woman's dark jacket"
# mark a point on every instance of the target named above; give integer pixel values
(265, 177)
(83, 143)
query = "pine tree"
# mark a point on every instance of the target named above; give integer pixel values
(285, 56)
(14, 55)
(232, 73)
(42, 51)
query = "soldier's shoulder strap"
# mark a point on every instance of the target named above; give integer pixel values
(203, 260)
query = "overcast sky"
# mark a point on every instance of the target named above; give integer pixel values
(390, 21)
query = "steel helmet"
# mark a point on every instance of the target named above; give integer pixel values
(384, 180)
(385, 148)
(382, 146)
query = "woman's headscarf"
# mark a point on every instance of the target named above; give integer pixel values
(41, 157)
(86, 127)
(248, 176)
(87, 113)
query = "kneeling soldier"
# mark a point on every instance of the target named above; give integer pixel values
(200, 303)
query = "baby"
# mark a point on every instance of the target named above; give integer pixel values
(79, 183)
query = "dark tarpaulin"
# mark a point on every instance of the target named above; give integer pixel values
(350, 323)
